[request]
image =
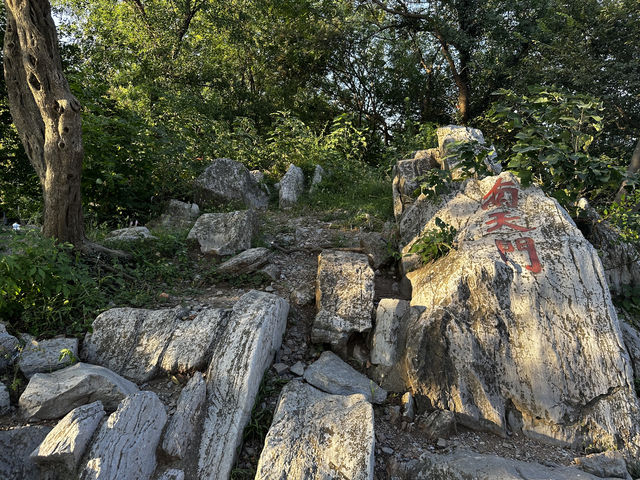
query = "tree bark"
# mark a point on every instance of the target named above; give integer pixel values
(634, 167)
(46, 114)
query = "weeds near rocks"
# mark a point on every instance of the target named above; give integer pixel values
(435, 243)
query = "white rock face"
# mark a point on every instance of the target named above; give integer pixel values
(291, 187)
(464, 464)
(385, 337)
(44, 356)
(320, 436)
(178, 214)
(246, 262)
(130, 341)
(455, 133)
(181, 429)
(318, 175)
(8, 346)
(631, 338)
(64, 445)
(330, 374)
(53, 395)
(344, 297)
(131, 234)
(189, 348)
(223, 233)
(125, 445)
(225, 180)
(237, 365)
(5, 399)
(172, 474)
(520, 331)
(138, 343)
(405, 178)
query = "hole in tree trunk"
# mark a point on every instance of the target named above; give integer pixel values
(33, 80)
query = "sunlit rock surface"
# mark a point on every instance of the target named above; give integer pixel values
(223, 233)
(225, 180)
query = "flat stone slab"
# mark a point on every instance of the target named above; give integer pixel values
(64, 446)
(253, 335)
(320, 436)
(246, 262)
(44, 356)
(330, 374)
(385, 336)
(181, 429)
(53, 395)
(223, 233)
(464, 464)
(344, 297)
(15, 446)
(125, 445)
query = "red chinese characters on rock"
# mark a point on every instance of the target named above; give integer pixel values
(505, 194)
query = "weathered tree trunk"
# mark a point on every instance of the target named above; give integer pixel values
(46, 114)
(634, 166)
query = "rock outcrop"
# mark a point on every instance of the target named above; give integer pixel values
(518, 330)
(406, 175)
(130, 234)
(16, 444)
(45, 356)
(344, 297)
(223, 233)
(225, 180)
(291, 187)
(8, 348)
(254, 334)
(317, 435)
(53, 395)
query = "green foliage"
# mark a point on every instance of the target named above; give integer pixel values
(629, 301)
(625, 216)
(45, 289)
(549, 135)
(435, 243)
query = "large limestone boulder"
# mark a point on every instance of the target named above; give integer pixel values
(178, 214)
(15, 446)
(138, 343)
(320, 436)
(518, 330)
(45, 356)
(63, 447)
(406, 175)
(344, 297)
(125, 446)
(53, 395)
(225, 180)
(254, 334)
(223, 233)
(291, 187)
(130, 234)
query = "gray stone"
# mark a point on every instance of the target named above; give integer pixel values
(190, 346)
(408, 407)
(8, 348)
(125, 445)
(15, 446)
(5, 400)
(604, 465)
(223, 233)
(178, 214)
(297, 369)
(64, 446)
(44, 356)
(344, 297)
(521, 324)
(406, 174)
(130, 341)
(437, 424)
(53, 395)
(246, 262)
(320, 436)
(376, 248)
(631, 338)
(131, 234)
(318, 176)
(254, 334)
(303, 295)
(225, 180)
(291, 187)
(385, 337)
(179, 435)
(330, 374)
(455, 133)
(172, 474)
(280, 368)
(464, 464)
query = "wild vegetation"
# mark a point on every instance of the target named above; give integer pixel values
(168, 85)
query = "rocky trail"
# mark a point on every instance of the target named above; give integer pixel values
(504, 359)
